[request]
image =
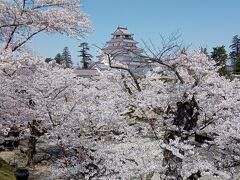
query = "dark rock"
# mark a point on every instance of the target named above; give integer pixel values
(54, 151)
(39, 157)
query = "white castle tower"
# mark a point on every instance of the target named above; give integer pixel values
(122, 46)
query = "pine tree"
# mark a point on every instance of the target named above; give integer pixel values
(219, 55)
(86, 57)
(58, 58)
(47, 60)
(236, 66)
(66, 58)
(235, 46)
(235, 54)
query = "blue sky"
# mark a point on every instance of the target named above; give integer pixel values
(206, 23)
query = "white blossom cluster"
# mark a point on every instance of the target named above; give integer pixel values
(108, 133)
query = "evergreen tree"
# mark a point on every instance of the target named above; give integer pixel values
(235, 46)
(58, 58)
(47, 60)
(219, 55)
(235, 54)
(86, 57)
(236, 66)
(66, 58)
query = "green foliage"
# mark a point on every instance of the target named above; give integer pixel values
(235, 54)
(219, 55)
(236, 66)
(235, 46)
(58, 58)
(85, 56)
(66, 58)
(6, 171)
(47, 60)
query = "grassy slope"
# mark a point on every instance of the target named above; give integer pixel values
(6, 171)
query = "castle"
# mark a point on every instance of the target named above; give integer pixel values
(122, 47)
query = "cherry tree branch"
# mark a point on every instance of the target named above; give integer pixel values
(125, 69)
(15, 27)
(27, 39)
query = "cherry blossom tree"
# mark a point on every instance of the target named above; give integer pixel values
(21, 20)
(106, 132)
(190, 115)
(146, 132)
(179, 121)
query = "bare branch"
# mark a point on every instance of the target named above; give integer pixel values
(27, 39)
(126, 69)
(166, 53)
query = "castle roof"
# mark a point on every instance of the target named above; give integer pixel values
(131, 48)
(122, 40)
(122, 31)
(122, 46)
